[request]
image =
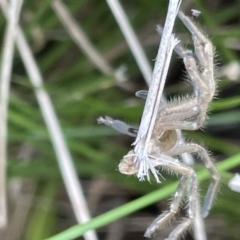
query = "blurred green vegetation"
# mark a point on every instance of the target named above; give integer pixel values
(81, 94)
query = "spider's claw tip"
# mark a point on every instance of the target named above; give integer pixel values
(195, 12)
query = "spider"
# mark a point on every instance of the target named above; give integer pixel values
(187, 113)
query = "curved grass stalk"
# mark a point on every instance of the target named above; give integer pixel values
(5, 79)
(131, 39)
(82, 41)
(65, 162)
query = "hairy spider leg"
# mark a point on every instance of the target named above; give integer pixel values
(166, 217)
(169, 115)
(200, 68)
(215, 177)
(187, 173)
(175, 115)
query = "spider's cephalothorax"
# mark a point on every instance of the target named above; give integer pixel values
(165, 145)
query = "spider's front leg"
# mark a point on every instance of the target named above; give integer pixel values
(200, 68)
(187, 174)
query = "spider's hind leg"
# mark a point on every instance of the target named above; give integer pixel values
(174, 207)
(187, 174)
(215, 177)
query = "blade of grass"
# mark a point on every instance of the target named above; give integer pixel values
(5, 78)
(223, 118)
(80, 37)
(41, 221)
(68, 172)
(225, 103)
(227, 13)
(131, 39)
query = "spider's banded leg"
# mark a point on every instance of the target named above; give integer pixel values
(188, 174)
(176, 121)
(189, 59)
(176, 117)
(175, 112)
(173, 115)
(159, 222)
(181, 125)
(182, 227)
(118, 126)
(213, 187)
(203, 93)
(204, 52)
(185, 54)
(192, 208)
(205, 58)
(195, 32)
(197, 79)
(203, 84)
(203, 47)
(167, 216)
